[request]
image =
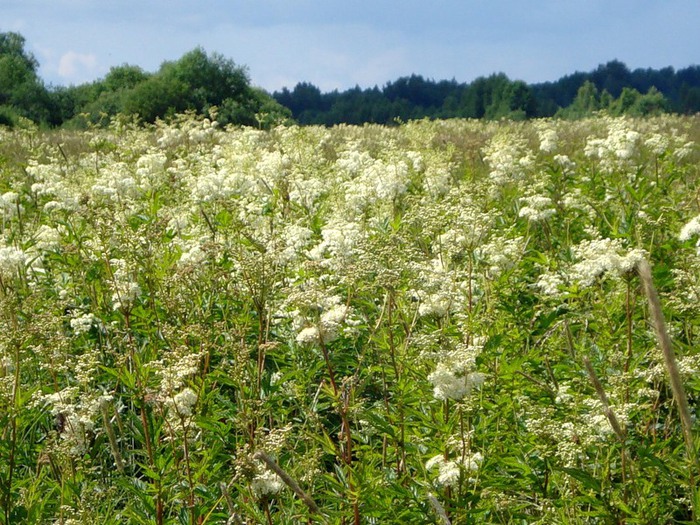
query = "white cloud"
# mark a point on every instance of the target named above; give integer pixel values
(74, 66)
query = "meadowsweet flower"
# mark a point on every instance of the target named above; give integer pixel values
(548, 140)
(690, 229)
(295, 240)
(563, 396)
(619, 150)
(537, 208)
(83, 323)
(13, 262)
(116, 184)
(658, 143)
(449, 384)
(685, 151)
(449, 472)
(500, 254)
(331, 322)
(329, 326)
(76, 413)
(125, 290)
(441, 290)
(183, 402)
(600, 256)
(266, 483)
(47, 238)
(508, 157)
(174, 370)
(9, 204)
(193, 256)
(567, 165)
(308, 335)
(341, 241)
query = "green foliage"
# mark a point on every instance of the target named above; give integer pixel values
(586, 103)
(496, 97)
(20, 87)
(199, 81)
(156, 97)
(356, 324)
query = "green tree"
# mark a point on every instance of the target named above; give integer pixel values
(124, 77)
(210, 79)
(109, 96)
(652, 102)
(512, 100)
(21, 90)
(625, 102)
(587, 102)
(157, 97)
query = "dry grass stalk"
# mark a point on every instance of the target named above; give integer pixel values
(288, 480)
(112, 440)
(609, 413)
(439, 509)
(657, 318)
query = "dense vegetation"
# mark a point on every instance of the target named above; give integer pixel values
(612, 87)
(196, 82)
(199, 81)
(437, 322)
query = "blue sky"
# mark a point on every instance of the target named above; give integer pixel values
(340, 44)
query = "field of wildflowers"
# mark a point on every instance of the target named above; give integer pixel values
(439, 322)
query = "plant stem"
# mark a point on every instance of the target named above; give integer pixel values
(679, 394)
(659, 323)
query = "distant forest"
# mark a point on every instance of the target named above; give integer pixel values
(611, 87)
(202, 83)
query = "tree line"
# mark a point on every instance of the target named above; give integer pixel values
(611, 87)
(199, 81)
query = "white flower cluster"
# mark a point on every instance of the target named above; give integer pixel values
(51, 182)
(440, 290)
(192, 254)
(602, 256)
(658, 143)
(266, 483)
(295, 241)
(455, 376)
(449, 472)
(182, 403)
(509, 158)
(691, 229)
(500, 254)
(75, 416)
(47, 238)
(125, 290)
(174, 370)
(595, 258)
(466, 229)
(549, 139)
(81, 324)
(565, 163)
(150, 170)
(341, 241)
(537, 208)
(617, 151)
(116, 184)
(13, 262)
(9, 205)
(327, 329)
(378, 182)
(448, 384)
(187, 132)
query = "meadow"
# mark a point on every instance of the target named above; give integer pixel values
(452, 321)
